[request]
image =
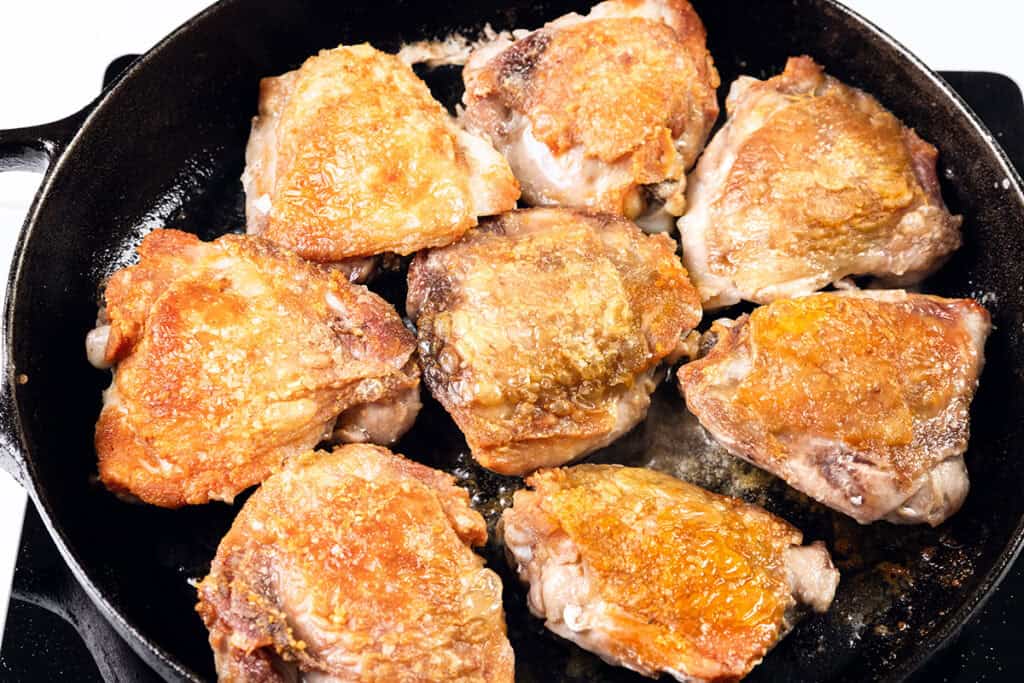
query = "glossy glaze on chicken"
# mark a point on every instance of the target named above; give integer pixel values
(231, 356)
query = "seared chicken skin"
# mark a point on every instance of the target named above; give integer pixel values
(658, 575)
(541, 331)
(355, 566)
(231, 356)
(808, 182)
(605, 111)
(858, 399)
(350, 156)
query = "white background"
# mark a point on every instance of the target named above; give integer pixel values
(53, 54)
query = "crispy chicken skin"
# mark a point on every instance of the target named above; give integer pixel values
(355, 566)
(231, 356)
(658, 575)
(540, 331)
(858, 399)
(808, 182)
(606, 111)
(351, 156)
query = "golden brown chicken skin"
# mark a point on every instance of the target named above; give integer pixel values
(808, 182)
(356, 566)
(858, 399)
(658, 575)
(541, 331)
(351, 156)
(605, 111)
(233, 355)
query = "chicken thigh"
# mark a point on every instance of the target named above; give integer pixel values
(350, 156)
(541, 331)
(605, 111)
(858, 399)
(355, 566)
(808, 182)
(658, 575)
(229, 357)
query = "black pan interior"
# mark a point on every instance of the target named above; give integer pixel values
(166, 146)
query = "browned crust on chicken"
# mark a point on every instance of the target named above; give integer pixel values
(853, 398)
(808, 182)
(540, 331)
(351, 156)
(631, 87)
(356, 565)
(654, 573)
(232, 356)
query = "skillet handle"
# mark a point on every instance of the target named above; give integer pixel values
(52, 586)
(26, 149)
(113, 657)
(43, 580)
(34, 148)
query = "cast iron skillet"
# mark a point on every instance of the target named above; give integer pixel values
(164, 145)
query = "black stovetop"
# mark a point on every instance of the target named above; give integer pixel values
(47, 610)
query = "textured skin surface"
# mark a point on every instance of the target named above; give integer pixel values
(356, 566)
(811, 181)
(619, 99)
(852, 398)
(540, 330)
(230, 357)
(351, 156)
(654, 573)
(192, 97)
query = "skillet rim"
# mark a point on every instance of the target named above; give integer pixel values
(959, 617)
(158, 657)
